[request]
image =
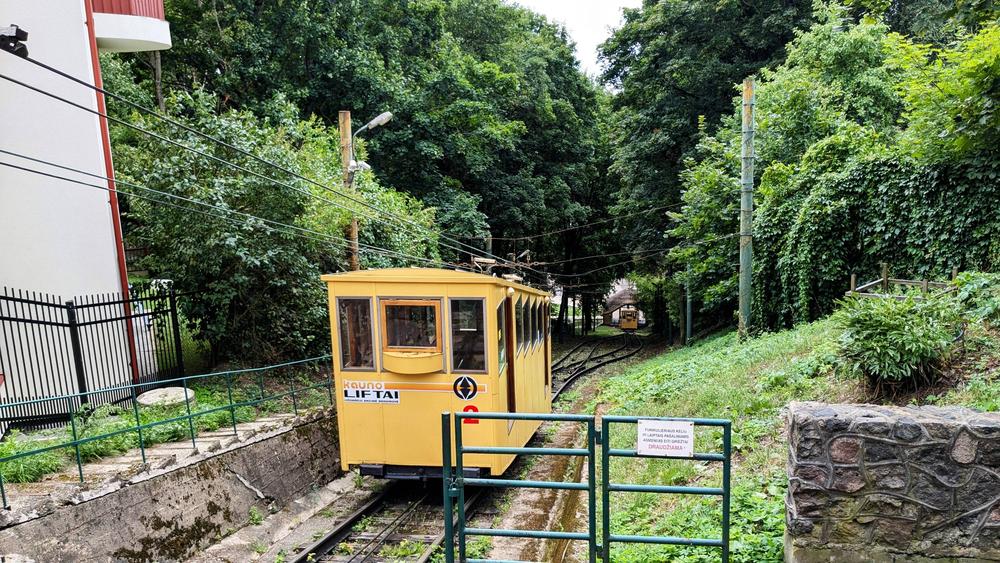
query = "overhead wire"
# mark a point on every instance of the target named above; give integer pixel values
(519, 267)
(188, 148)
(567, 260)
(577, 227)
(288, 229)
(685, 244)
(469, 249)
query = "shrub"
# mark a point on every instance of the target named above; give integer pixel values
(979, 294)
(897, 344)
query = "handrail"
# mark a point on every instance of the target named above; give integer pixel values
(138, 427)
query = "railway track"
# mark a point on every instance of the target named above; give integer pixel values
(401, 523)
(584, 358)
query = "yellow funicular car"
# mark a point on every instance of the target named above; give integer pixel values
(628, 319)
(411, 343)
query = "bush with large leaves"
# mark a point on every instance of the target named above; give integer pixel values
(898, 344)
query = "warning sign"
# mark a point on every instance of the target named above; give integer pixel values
(666, 438)
(370, 392)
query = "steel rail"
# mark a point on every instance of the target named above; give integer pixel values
(555, 365)
(382, 536)
(344, 529)
(583, 371)
(591, 357)
(432, 547)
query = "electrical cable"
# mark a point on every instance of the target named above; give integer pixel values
(267, 162)
(576, 227)
(289, 229)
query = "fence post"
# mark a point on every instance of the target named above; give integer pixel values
(76, 440)
(178, 349)
(449, 503)
(74, 338)
(885, 277)
(138, 424)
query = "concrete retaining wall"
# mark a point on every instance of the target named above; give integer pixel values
(877, 484)
(169, 514)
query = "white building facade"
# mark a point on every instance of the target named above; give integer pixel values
(57, 237)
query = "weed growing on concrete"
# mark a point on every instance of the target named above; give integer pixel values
(402, 550)
(256, 516)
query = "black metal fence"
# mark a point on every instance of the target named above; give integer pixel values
(50, 346)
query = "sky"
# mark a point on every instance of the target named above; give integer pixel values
(588, 22)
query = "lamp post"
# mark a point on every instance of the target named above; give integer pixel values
(350, 166)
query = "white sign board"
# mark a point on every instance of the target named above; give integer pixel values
(374, 392)
(666, 438)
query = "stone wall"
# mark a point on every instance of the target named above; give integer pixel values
(169, 514)
(874, 483)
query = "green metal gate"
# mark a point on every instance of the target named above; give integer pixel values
(598, 541)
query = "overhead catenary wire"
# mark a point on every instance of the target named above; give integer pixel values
(408, 223)
(194, 150)
(468, 248)
(275, 225)
(685, 244)
(577, 227)
(594, 256)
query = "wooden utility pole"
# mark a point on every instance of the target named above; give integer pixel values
(346, 150)
(746, 205)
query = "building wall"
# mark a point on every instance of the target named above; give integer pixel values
(55, 237)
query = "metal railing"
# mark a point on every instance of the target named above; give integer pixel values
(607, 487)
(599, 541)
(454, 482)
(73, 402)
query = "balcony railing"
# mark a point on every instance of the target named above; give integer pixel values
(145, 8)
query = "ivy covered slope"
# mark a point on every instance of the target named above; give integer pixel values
(750, 382)
(871, 146)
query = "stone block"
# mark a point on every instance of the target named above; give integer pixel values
(846, 450)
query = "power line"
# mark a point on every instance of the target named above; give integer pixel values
(267, 162)
(289, 229)
(596, 256)
(585, 225)
(683, 245)
(188, 148)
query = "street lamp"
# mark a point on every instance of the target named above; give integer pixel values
(350, 166)
(381, 119)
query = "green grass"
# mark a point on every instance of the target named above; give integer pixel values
(210, 393)
(405, 549)
(747, 382)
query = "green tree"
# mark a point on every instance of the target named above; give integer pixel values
(673, 62)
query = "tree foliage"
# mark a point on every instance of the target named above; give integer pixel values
(871, 147)
(672, 62)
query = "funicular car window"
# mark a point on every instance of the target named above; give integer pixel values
(468, 335)
(533, 327)
(355, 333)
(539, 321)
(526, 324)
(411, 324)
(519, 325)
(502, 335)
